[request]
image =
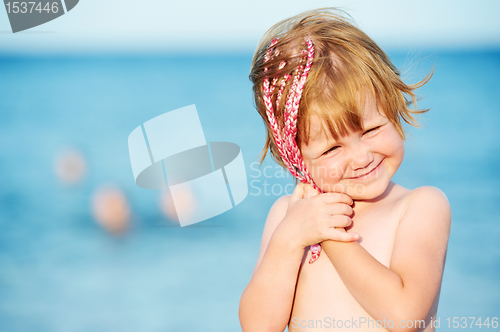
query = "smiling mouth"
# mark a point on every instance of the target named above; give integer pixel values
(368, 173)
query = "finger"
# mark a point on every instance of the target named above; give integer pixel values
(339, 209)
(338, 220)
(340, 236)
(336, 198)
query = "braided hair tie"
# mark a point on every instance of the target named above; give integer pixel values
(285, 137)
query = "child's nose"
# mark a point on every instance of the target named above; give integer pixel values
(361, 157)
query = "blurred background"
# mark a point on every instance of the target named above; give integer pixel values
(82, 248)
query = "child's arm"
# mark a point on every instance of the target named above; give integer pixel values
(406, 290)
(267, 301)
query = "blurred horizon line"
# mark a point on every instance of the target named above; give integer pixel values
(221, 53)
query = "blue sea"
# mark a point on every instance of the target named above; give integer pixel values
(61, 271)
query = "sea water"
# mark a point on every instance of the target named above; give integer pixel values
(59, 271)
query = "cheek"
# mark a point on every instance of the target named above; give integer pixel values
(401, 152)
(325, 173)
(395, 150)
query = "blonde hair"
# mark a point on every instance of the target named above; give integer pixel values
(347, 65)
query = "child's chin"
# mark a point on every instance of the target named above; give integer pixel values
(359, 191)
(366, 193)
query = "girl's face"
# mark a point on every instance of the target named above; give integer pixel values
(360, 164)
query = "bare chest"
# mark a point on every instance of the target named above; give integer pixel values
(378, 231)
(320, 284)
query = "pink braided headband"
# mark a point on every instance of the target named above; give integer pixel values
(285, 137)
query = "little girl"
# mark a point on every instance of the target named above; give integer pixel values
(349, 249)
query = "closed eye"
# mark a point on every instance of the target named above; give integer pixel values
(372, 130)
(331, 149)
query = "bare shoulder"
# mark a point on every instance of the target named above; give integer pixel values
(429, 193)
(278, 210)
(427, 208)
(276, 214)
(420, 246)
(423, 233)
(428, 198)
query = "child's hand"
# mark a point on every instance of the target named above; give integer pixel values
(312, 217)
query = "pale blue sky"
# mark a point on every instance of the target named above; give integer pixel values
(224, 25)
